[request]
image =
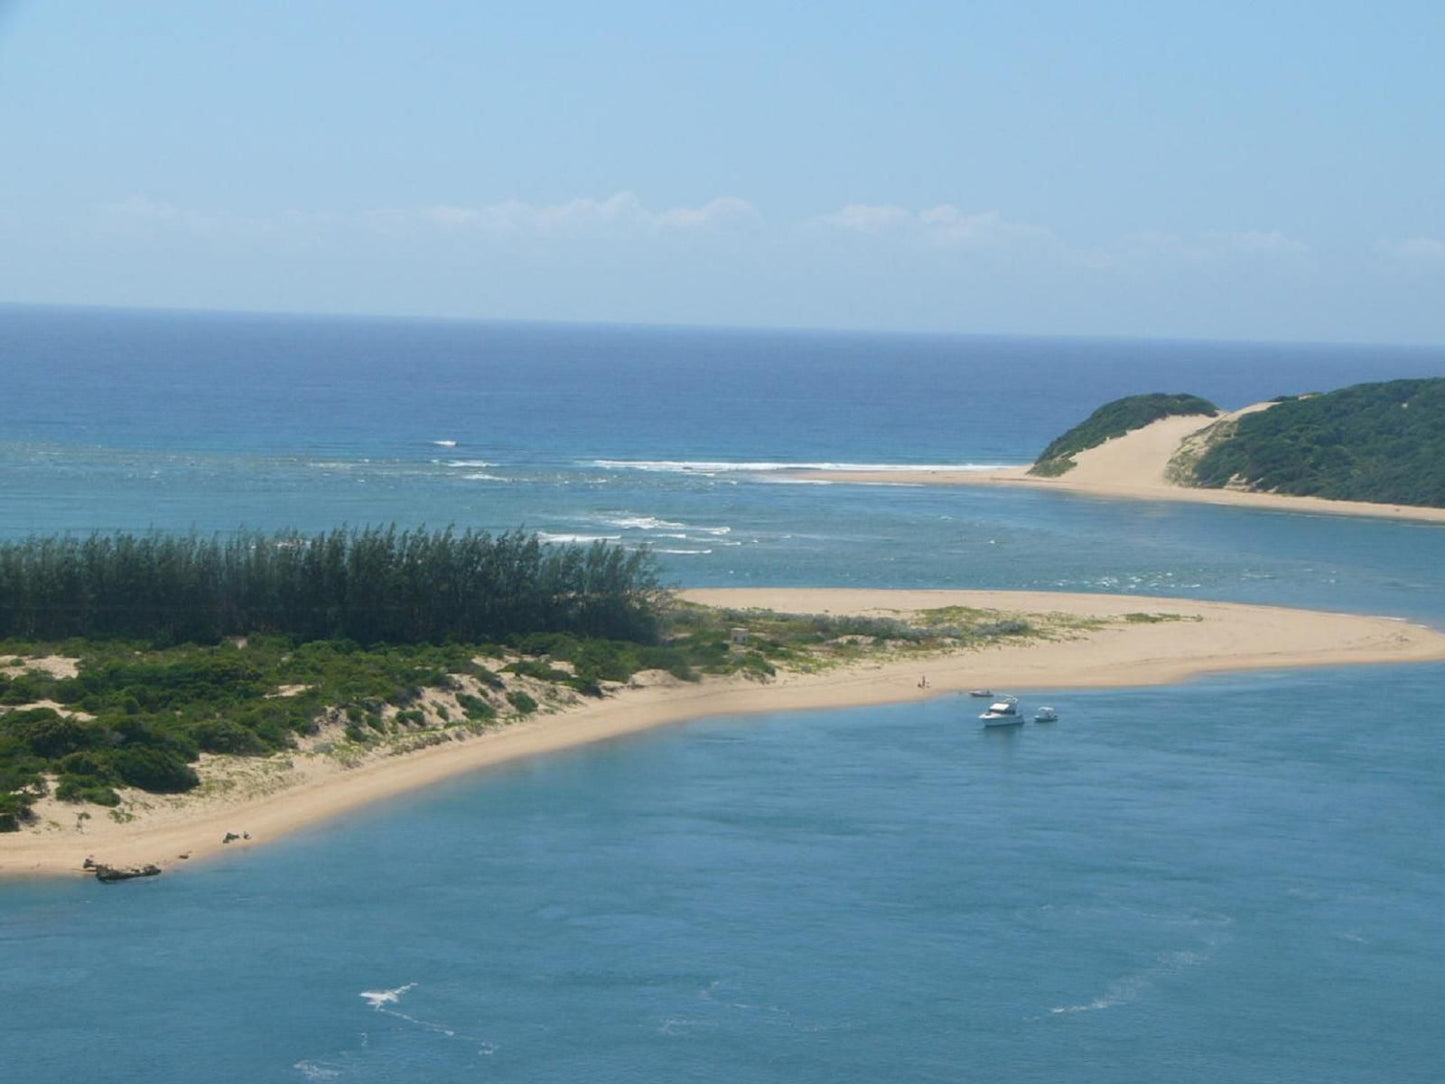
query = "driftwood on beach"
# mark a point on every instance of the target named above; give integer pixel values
(109, 874)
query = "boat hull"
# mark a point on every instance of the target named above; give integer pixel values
(1001, 720)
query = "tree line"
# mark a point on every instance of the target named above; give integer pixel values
(370, 585)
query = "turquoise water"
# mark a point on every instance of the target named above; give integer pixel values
(1234, 879)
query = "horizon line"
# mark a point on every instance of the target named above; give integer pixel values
(660, 325)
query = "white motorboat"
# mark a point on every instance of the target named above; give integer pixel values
(1003, 712)
(1046, 715)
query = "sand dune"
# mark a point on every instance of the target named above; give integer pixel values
(1132, 467)
(273, 797)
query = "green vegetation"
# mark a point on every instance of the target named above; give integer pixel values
(522, 702)
(377, 585)
(1370, 442)
(1114, 420)
(138, 715)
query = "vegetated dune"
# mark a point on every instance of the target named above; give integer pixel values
(1136, 466)
(1091, 641)
(1139, 458)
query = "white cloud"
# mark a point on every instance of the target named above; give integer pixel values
(866, 218)
(946, 224)
(941, 225)
(723, 211)
(624, 217)
(622, 214)
(143, 212)
(1416, 251)
(1211, 245)
(618, 217)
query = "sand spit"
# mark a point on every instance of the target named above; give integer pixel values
(257, 801)
(1133, 467)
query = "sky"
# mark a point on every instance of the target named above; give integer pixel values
(1264, 170)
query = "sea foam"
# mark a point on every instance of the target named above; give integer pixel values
(666, 527)
(717, 466)
(312, 1071)
(378, 999)
(564, 539)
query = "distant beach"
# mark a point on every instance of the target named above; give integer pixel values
(1121, 641)
(1132, 467)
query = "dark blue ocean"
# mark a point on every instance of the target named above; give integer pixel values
(1235, 879)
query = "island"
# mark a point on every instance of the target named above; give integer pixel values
(1368, 450)
(234, 703)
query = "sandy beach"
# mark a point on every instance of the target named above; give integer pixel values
(1186, 638)
(1132, 467)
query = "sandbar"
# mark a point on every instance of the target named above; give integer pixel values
(1182, 639)
(1133, 467)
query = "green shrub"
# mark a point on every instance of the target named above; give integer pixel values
(96, 767)
(81, 789)
(14, 811)
(539, 669)
(477, 709)
(227, 736)
(26, 688)
(156, 770)
(522, 702)
(408, 694)
(486, 677)
(49, 734)
(754, 663)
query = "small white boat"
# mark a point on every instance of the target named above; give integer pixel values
(982, 694)
(1003, 712)
(1046, 715)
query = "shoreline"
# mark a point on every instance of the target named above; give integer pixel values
(1178, 640)
(1135, 467)
(1018, 477)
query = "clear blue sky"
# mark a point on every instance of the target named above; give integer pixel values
(1221, 170)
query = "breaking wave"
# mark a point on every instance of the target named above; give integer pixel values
(565, 539)
(630, 522)
(716, 466)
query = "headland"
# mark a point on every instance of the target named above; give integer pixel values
(1135, 466)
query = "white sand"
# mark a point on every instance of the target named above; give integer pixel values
(279, 795)
(1132, 467)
